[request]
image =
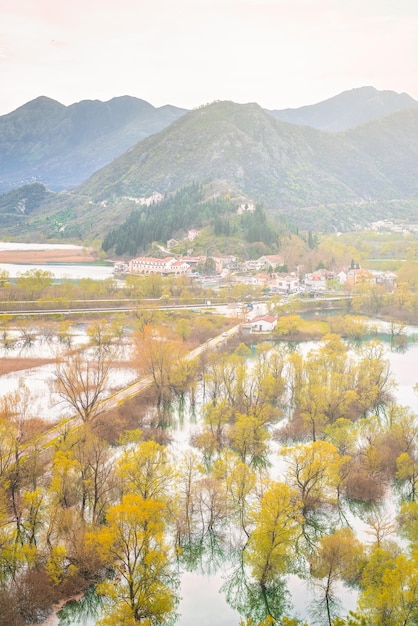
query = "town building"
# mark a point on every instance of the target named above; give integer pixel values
(151, 265)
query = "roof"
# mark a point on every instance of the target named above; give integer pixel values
(264, 318)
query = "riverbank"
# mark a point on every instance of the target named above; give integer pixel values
(79, 255)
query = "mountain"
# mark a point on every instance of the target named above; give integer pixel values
(281, 164)
(61, 146)
(308, 177)
(347, 109)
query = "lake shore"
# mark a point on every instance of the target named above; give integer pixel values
(81, 255)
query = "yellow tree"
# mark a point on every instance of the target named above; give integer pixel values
(374, 381)
(184, 506)
(95, 475)
(133, 543)
(339, 556)
(314, 470)
(407, 472)
(389, 589)
(277, 523)
(240, 482)
(146, 470)
(249, 439)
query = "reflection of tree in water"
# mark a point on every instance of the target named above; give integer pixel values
(79, 611)
(205, 553)
(251, 599)
(210, 553)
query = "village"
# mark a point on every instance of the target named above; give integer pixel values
(268, 271)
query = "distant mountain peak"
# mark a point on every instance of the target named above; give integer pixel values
(347, 109)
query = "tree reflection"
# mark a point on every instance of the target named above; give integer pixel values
(81, 611)
(254, 601)
(206, 553)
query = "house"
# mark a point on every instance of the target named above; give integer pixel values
(263, 323)
(151, 265)
(356, 276)
(284, 283)
(342, 277)
(261, 278)
(271, 260)
(192, 234)
(121, 267)
(384, 278)
(194, 261)
(227, 261)
(253, 265)
(316, 281)
(264, 262)
(246, 207)
(179, 268)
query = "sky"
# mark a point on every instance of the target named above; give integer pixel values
(278, 53)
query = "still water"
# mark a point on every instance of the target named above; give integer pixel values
(202, 598)
(59, 270)
(62, 270)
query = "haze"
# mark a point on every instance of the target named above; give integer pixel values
(279, 53)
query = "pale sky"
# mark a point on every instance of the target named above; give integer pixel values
(278, 53)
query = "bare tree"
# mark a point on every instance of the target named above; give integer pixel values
(81, 381)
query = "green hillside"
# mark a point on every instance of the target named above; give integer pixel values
(310, 178)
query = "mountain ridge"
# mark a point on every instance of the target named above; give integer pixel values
(61, 146)
(240, 151)
(347, 109)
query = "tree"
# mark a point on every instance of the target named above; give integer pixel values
(156, 354)
(277, 522)
(314, 470)
(339, 556)
(240, 482)
(95, 476)
(249, 439)
(132, 542)
(389, 588)
(81, 382)
(33, 283)
(146, 470)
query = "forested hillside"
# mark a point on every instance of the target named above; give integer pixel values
(186, 209)
(305, 177)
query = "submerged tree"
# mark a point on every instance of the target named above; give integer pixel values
(132, 542)
(81, 381)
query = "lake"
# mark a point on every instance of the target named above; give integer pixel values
(60, 271)
(96, 271)
(201, 601)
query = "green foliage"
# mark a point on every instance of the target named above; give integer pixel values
(23, 200)
(159, 222)
(256, 227)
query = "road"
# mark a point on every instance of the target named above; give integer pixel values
(50, 437)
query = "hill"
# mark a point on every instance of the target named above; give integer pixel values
(347, 109)
(61, 146)
(311, 178)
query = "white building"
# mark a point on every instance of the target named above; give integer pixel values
(263, 323)
(151, 265)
